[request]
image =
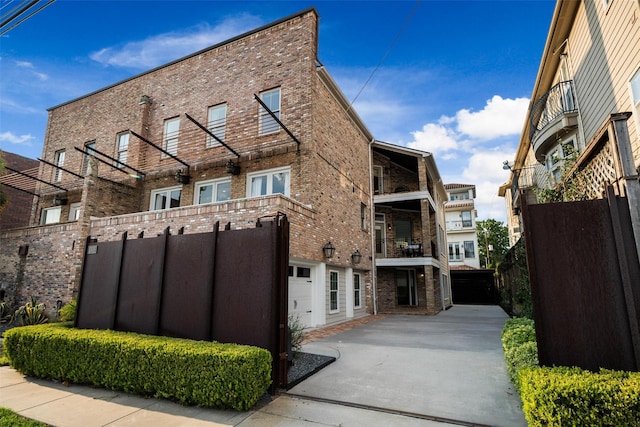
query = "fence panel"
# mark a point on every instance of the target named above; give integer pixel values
(579, 301)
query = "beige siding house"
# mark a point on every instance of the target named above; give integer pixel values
(586, 90)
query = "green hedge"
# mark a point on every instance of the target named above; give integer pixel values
(573, 397)
(519, 345)
(190, 372)
(563, 396)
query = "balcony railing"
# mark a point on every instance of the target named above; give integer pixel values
(558, 101)
(459, 225)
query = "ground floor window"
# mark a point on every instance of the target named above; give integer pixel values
(334, 302)
(406, 288)
(469, 249)
(454, 252)
(357, 291)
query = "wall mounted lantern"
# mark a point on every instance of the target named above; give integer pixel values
(356, 257)
(232, 168)
(329, 250)
(181, 177)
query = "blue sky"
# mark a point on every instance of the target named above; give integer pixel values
(451, 77)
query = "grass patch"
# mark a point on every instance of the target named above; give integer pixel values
(10, 418)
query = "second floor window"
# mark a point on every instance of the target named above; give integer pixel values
(165, 198)
(267, 124)
(122, 149)
(273, 181)
(58, 160)
(171, 133)
(212, 191)
(50, 215)
(217, 123)
(378, 180)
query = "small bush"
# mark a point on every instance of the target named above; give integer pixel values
(10, 418)
(5, 312)
(519, 345)
(190, 372)
(296, 332)
(573, 397)
(31, 313)
(67, 312)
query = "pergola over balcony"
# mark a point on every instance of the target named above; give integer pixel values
(552, 116)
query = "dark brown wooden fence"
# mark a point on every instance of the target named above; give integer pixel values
(585, 283)
(228, 286)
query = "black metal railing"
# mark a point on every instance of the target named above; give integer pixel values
(559, 100)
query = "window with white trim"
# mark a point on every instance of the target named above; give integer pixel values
(74, 211)
(272, 181)
(334, 288)
(171, 133)
(122, 149)
(454, 252)
(51, 215)
(58, 160)
(217, 124)
(469, 249)
(357, 291)
(165, 198)
(215, 190)
(266, 123)
(466, 219)
(363, 216)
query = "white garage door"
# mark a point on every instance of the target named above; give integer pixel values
(300, 291)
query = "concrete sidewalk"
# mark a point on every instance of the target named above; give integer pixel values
(399, 370)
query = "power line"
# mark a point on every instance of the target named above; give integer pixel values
(24, 10)
(393, 43)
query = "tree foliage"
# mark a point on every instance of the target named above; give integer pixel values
(493, 242)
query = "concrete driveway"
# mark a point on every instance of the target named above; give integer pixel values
(448, 368)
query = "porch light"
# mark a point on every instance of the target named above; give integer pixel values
(181, 177)
(329, 250)
(356, 257)
(58, 201)
(232, 168)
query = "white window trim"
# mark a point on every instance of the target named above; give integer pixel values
(58, 160)
(213, 182)
(357, 302)
(269, 173)
(337, 291)
(162, 190)
(219, 129)
(120, 153)
(379, 171)
(166, 137)
(264, 115)
(74, 211)
(46, 213)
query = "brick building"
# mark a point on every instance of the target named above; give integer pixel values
(18, 190)
(241, 130)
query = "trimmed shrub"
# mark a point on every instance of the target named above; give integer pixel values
(573, 397)
(519, 345)
(190, 372)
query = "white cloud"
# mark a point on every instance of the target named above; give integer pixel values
(24, 64)
(434, 138)
(500, 117)
(163, 48)
(28, 65)
(11, 138)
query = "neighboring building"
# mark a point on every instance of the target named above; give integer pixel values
(244, 129)
(18, 190)
(587, 84)
(412, 274)
(460, 215)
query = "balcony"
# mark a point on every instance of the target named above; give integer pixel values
(464, 225)
(554, 114)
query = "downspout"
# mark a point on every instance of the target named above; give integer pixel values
(372, 225)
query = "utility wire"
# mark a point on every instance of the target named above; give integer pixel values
(393, 43)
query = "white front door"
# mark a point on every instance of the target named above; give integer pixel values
(300, 293)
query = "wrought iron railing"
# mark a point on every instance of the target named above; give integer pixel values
(559, 100)
(459, 225)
